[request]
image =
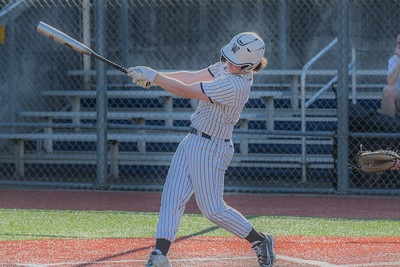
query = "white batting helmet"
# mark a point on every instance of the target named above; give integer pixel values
(245, 49)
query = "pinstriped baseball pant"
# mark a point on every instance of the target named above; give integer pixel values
(198, 167)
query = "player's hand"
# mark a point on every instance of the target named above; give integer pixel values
(140, 73)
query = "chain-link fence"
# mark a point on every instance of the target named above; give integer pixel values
(285, 140)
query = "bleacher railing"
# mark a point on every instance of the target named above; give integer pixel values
(305, 104)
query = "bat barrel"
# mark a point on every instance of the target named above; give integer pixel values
(62, 38)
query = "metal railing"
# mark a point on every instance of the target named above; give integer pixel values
(305, 105)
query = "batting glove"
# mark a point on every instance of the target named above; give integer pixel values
(141, 73)
(142, 83)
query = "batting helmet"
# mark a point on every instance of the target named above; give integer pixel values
(245, 49)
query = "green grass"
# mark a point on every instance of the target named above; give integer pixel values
(21, 224)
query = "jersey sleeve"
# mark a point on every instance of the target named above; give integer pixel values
(220, 90)
(216, 68)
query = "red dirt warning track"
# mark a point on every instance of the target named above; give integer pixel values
(205, 251)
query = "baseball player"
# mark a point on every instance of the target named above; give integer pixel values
(202, 157)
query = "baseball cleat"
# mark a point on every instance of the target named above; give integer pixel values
(158, 260)
(265, 251)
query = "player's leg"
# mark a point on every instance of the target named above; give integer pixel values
(176, 192)
(208, 162)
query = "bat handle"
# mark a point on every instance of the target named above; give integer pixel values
(110, 63)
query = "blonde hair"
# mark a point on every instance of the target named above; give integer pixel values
(263, 63)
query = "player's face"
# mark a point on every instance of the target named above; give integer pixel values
(233, 68)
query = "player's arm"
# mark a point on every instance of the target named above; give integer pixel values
(183, 83)
(179, 88)
(189, 77)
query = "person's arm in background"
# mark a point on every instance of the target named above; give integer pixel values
(394, 74)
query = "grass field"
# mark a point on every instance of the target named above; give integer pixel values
(25, 224)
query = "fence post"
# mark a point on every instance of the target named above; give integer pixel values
(282, 33)
(101, 97)
(86, 41)
(13, 68)
(125, 31)
(342, 97)
(114, 164)
(19, 158)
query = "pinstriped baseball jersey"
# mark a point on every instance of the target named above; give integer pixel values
(228, 93)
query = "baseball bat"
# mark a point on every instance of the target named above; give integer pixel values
(65, 39)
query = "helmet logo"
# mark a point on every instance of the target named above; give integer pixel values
(235, 48)
(245, 40)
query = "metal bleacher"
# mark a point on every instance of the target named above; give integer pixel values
(81, 113)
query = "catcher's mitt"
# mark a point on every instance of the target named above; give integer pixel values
(377, 161)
